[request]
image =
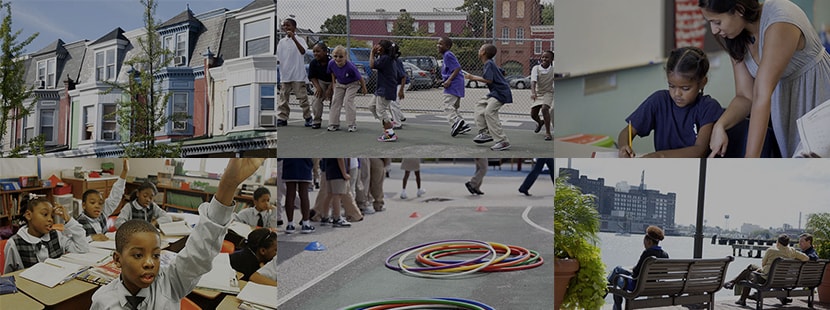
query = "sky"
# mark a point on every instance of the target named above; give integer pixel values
(74, 20)
(768, 193)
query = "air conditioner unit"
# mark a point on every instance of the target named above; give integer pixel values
(179, 60)
(267, 120)
(179, 126)
(109, 135)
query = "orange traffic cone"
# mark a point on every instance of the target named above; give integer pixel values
(481, 209)
(414, 215)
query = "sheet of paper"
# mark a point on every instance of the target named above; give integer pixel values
(109, 244)
(51, 272)
(175, 229)
(94, 257)
(608, 154)
(110, 235)
(814, 130)
(221, 276)
(259, 294)
(240, 228)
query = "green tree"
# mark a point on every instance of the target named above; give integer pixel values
(13, 88)
(142, 109)
(547, 14)
(335, 24)
(479, 16)
(403, 25)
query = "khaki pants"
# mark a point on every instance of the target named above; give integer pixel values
(487, 118)
(317, 105)
(378, 173)
(481, 171)
(344, 96)
(451, 105)
(302, 95)
(322, 205)
(382, 108)
(362, 187)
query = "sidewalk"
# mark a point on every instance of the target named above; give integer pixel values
(423, 135)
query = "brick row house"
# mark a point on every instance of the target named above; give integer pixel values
(222, 75)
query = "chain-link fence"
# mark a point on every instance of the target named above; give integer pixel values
(524, 30)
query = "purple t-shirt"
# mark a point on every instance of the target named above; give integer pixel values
(457, 85)
(674, 127)
(344, 75)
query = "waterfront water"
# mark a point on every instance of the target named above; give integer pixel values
(625, 251)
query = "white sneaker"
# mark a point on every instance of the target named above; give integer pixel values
(403, 194)
(421, 192)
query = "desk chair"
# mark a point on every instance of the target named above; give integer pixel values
(111, 223)
(227, 247)
(2, 255)
(188, 304)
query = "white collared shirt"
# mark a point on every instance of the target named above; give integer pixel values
(127, 214)
(72, 240)
(292, 63)
(249, 217)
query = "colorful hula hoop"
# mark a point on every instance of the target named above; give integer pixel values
(435, 258)
(420, 303)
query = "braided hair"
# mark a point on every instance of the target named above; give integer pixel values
(689, 62)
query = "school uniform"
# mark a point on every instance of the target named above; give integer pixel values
(252, 217)
(487, 108)
(317, 70)
(387, 84)
(24, 250)
(292, 76)
(134, 211)
(245, 261)
(178, 279)
(544, 85)
(94, 226)
(454, 93)
(674, 127)
(346, 85)
(269, 270)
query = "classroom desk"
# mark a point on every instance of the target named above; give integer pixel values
(74, 294)
(19, 300)
(230, 302)
(563, 149)
(210, 299)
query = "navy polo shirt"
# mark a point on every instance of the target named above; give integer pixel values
(674, 127)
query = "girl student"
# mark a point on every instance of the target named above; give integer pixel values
(681, 116)
(36, 240)
(347, 80)
(781, 70)
(93, 219)
(259, 249)
(141, 206)
(386, 53)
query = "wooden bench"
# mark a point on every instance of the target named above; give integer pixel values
(670, 282)
(787, 278)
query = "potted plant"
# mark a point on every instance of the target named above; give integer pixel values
(575, 227)
(818, 224)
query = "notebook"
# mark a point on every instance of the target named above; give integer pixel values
(175, 229)
(51, 272)
(101, 274)
(95, 256)
(240, 228)
(109, 244)
(814, 132)
(264, 295)
(221, 276)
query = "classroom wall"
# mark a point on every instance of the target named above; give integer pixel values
(50, 166)
(821, 13)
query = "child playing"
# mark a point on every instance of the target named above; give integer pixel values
(453, 87)
(142, 284)
(346, 80)
(541, 92)
(141, 206)
(487, 108)
(321, 79)
(92, 219)
(260, 248)
(262, 214)
(296, 174)
(407, 165)
(36, 240)
(337, 179)
(395, 106)
(682, 116)
(291, 53)
(386, 53)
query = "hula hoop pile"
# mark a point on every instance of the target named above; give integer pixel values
(433, 258)
(420, 303)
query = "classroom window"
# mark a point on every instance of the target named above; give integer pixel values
(431, 27)
(203, 167)
(505, 34)
(242, 105)
(179, 111)
(505, 9)
(46, 72)
(47, 124)
(108, 121)
(257, 37)
(389, 26)
(520, 35)
(88, 123)
(416, 26)
(520, 9)
(537, 47)
(266, 98)
(447, 27)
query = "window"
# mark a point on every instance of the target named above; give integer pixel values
(551, 45)
(537, 47)
(105, 65)
(447, 27)
(520, 9)
(179, 111)
(505, 34)
(168, 44)
(242, 105)
(431, 27)
(202, 167)
(47, 124)
(88, 123)
(505, 9)
(520, 35)
(266, 98)
(108, 121)
(415, 26)
(46, 72)
(257, 37)
(181, 44)
(389, 26)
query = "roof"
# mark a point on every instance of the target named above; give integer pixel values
(52, 47)
(256, 4)
(116, 33)
(185, 16)
(214, 25)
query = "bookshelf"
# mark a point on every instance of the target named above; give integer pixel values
(188, 200)
(11, 201)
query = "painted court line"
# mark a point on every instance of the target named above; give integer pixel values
(348, 261)
(531, 223)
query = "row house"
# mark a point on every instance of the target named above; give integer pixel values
(372, 26)
(222, 75)
(520, 36)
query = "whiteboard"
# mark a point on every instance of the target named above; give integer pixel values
(16, 167)
(605, 35)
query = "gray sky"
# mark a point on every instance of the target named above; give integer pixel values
(73, 20)
(763, 192)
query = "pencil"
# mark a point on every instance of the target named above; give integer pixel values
(630, 137)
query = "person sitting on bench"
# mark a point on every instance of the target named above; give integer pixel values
(780, 249)
(650, 241)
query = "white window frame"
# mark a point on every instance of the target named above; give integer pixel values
(106, 70)
(40, 125)
(505, 35)
(520, 35)
(103, 121)
(88, 122)
(46, 72)
(431, 27)
(181, 44)
(537, 47)
(235, 105)
(390, 26)
(447, 27)
(272, 97)
(243, 40)
(167, 43)
(182, 124)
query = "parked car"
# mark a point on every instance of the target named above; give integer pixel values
(309, 56)
(511, 77)
(428, 64)
(520, 83)
(471, 83)
(418, 79)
